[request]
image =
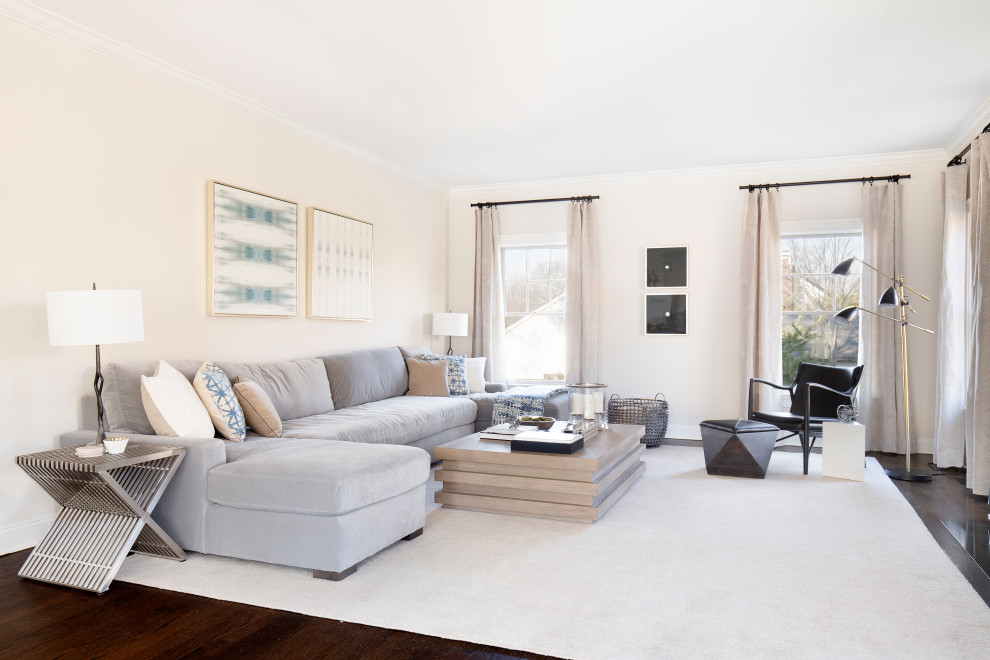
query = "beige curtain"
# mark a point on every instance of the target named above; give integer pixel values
(950, 382)
(881, 397)
(488, 332)
(581, 316)
(978, 321)
(760, 300)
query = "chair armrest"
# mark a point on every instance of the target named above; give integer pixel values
(753, 381)
(182, 509)
(829, 389)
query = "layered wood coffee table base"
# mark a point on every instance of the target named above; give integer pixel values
(484, 475)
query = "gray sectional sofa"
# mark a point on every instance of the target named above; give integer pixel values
(346, 479)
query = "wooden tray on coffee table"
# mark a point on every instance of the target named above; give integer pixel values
(484, 475)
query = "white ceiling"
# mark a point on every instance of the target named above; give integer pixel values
(472, 92)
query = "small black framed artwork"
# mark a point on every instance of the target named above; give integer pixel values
(666, 267)
(666, 314)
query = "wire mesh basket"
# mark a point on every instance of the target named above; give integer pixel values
(651, 413)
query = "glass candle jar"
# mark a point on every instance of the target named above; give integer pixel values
(587, 405)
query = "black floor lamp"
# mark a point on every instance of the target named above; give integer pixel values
(892, 298)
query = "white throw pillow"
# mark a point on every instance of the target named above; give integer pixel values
(475, 374)
(217, 394)
(172, 405)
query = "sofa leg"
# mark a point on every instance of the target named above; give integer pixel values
(411, 536)
(333, 575)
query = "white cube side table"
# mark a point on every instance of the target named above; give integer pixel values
(844, 450)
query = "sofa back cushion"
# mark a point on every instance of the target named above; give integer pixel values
(123, 407)
(358, 377)
(297, 388)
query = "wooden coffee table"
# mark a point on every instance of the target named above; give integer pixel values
(484, 475)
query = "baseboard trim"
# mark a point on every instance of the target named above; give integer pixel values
(23, 535)
(683, 432)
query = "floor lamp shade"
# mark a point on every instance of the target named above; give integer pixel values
(450, 325)
(92, 317)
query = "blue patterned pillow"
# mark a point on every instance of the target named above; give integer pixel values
(213, 388)
(457, 381)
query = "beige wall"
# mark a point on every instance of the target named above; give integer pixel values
(103, 178)
(700, 373)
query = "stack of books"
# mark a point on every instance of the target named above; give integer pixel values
(550, 442)
(504, 431)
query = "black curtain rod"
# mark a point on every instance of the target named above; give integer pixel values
(585, 198)
(893, 178)
(958, 160)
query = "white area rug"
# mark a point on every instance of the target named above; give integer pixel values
(685, 565)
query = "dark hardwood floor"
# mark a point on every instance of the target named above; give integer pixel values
(130, 621)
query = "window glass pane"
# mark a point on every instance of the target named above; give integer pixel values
(792, 253)
(534, 285)
(558, 264)
(515, 298)
(539, 264)
(539, 295)
(818, 293)
(513, 264)
(810, 296)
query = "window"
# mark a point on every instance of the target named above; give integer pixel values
(534, 282)
(810, 295)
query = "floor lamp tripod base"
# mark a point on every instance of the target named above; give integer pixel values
(904, 474)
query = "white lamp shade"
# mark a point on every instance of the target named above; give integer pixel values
(90, 317)
(450, 325)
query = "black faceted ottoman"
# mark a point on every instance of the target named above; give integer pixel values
(738, 447)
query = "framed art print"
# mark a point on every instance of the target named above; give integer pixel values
(340, 267)
(666, 314)
(666, 267)
(251, 253)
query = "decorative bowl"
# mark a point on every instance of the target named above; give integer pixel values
(542, 423)
(115, 445)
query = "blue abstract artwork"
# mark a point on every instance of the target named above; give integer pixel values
(252, 260)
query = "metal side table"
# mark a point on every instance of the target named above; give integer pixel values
(106, 512)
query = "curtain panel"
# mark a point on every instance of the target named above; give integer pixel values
(761, 294)
(978, 321)
(881, 397)
(488, 332)
(950, 382)
(581, 312)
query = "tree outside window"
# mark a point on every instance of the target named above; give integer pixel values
(811, 295)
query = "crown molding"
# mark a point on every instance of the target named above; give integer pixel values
(970, 129)
(23, 11)
(748, 169)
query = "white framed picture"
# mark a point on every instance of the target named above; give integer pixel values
(666, 314)
(251, 253)
(341, 262)
(666, 267)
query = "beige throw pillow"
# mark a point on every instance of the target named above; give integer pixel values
(427, 378)
(475, 374)
(172, 405)
(259, 411)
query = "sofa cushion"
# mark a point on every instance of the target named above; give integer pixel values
(397, 421)
(358, 377)
(123, 407)
(172, 405)
(297, 388)
(259, 412)
(427, 377)
(308, 477)
(217, 394)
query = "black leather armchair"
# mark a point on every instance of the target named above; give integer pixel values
(817, 391)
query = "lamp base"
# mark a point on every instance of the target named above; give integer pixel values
(909, 475)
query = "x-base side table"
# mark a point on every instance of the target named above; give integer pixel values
(106, 512)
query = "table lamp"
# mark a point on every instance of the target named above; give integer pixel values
(81, 318)
(450, 325)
